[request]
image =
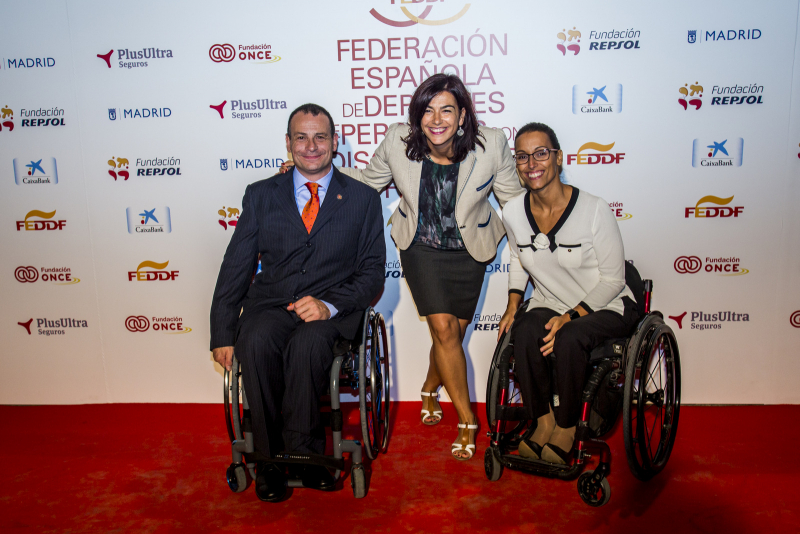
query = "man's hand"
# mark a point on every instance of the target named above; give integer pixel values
(310, 309)
(224, 356)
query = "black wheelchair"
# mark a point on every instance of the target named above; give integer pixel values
(360, 367)
(641, 374)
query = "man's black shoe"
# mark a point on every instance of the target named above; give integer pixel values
(270, 482)
(318, 477)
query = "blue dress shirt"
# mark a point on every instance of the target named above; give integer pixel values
(302, 195)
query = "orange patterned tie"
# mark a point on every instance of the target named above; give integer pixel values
(312, 206)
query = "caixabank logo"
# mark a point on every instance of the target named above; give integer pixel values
(154, 166)
(592, 153)
(720, 266)
(130, 58)
(229, 217)
(165, 325)
(252, 109)
(53, 327)
(253, 53)
(398, 9)
(605, 98)
(619, 211)
(138, 113)
(40, 221)
(143, 221)
(150, 271)
(713, 207)
(716, 36)
(712, 320)
(725, 152)
(27, 63)
(42, 171)
(271, 164)
(61, 276)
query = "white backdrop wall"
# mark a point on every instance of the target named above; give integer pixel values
(97, 310)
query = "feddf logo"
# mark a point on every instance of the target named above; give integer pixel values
(35, 171)
(722, 266)
(721, 209)
(152, 221)
(600, 155)
(167, 325)
(154, 273)
(259, 54)
(591, 99)
(37, 220)
(409, 19)
(128, 58)
(61, 276)
(717, 153)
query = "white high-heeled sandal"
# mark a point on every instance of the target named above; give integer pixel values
(457, 446)
(427, 413)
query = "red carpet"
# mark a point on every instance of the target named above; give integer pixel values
(160, 468)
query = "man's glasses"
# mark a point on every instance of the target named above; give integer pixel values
(540, 154)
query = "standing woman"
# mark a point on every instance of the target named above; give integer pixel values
(444, 166)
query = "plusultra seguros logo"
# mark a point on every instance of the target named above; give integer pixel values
(721, 266)
(35, 171)
(150, 271)
(53, 327)
(149, 221)
(600, 99)
(600, 154)
(60, 276)
(166, 325)
(720, 209)
(700, 320)
(409, 19)
(128, 58)
(253, 108)
(717, 153)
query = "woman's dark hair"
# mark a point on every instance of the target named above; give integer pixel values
(416, 143)
(543, 128)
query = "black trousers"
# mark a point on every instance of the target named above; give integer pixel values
(573, 345)
(286, 367)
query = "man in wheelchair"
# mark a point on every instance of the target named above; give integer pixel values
(319, 237)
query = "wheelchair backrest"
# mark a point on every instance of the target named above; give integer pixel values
(634, 281)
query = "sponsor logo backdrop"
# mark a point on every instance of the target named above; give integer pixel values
(130, 133)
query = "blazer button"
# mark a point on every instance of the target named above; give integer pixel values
(295, 297)
(308, 244)
(303, 271)
(463, 226)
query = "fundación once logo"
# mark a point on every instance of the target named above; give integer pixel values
(167, 325)
(138, 113)
(35, 172)
(230, 217)
(409, 19)
(127, 58)
(147, 222)
(794, 319)
(573, 37)
(616, 208)
(722, 266)
(716, 153)
(53, 327)
(252, 107)
(168, 166)
(709, 212)
(699, 36)
(591, 99)
(257, 54)
(700, 320)
(600, 154)
(60, 276)
(150, 271)
(37, 221)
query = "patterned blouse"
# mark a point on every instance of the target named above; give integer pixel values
(437, 225)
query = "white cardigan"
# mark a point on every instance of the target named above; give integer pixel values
(581, 261)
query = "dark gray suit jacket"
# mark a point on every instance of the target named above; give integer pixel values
(341, 261)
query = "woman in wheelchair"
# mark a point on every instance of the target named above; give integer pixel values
(569, 243)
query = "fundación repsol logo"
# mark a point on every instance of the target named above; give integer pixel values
(152, 221)
(601, 155)
(486, 322)
(169, 166)
(573, 37)
(154, 275)
(699, 36)
(139, 113)
(229, 217)
(713, 153)
(258, 54)
(722, 266)
(253, 108)
(408, 19)
(691, 95)
(700, 320)
(35, 172)
(591, 99)
(6, 119)
(167, 325)
(616, 209)
(54, 327)
(708, 212)
(37, 220)
(61, 276)
(126, 58)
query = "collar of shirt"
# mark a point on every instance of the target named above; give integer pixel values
(301, 192)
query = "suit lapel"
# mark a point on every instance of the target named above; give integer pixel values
(335, 198)
(287, 201)
(414, 179)
(464, 172)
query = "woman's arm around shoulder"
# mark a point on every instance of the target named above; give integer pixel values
(378, 172)
(506, 183)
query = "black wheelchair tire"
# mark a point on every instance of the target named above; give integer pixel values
(491, 465)
(509, 439)
(370, 387)
(593, 494)
(385, 365)
(358, 481)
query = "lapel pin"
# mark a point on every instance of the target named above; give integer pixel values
(339, 197)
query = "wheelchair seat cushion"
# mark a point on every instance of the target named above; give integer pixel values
(611, 348)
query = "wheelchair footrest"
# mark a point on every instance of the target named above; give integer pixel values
(539, 467)
(308, 459)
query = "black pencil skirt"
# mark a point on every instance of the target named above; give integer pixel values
(443, 281)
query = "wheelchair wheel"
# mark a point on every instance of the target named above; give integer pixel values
(592, 492)
(501, 371)
(358, 481)
(237, 477)
(651, 402)
(234, 409)
(492, 466)
(371, 385)
(384, 367)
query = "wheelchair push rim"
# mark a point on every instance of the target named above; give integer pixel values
(371, 391)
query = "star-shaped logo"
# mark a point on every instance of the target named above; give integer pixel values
(718, 147)
(35, 166)
(597, 93)
(148, 214)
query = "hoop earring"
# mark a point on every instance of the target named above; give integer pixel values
(460, 131)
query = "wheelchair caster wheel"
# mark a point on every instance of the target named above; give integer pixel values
(358, 481)
(237, 477)
(592, 492)
(492, 466)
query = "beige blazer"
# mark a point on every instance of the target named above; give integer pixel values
(481, 172)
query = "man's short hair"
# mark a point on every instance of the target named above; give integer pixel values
(313, 109)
